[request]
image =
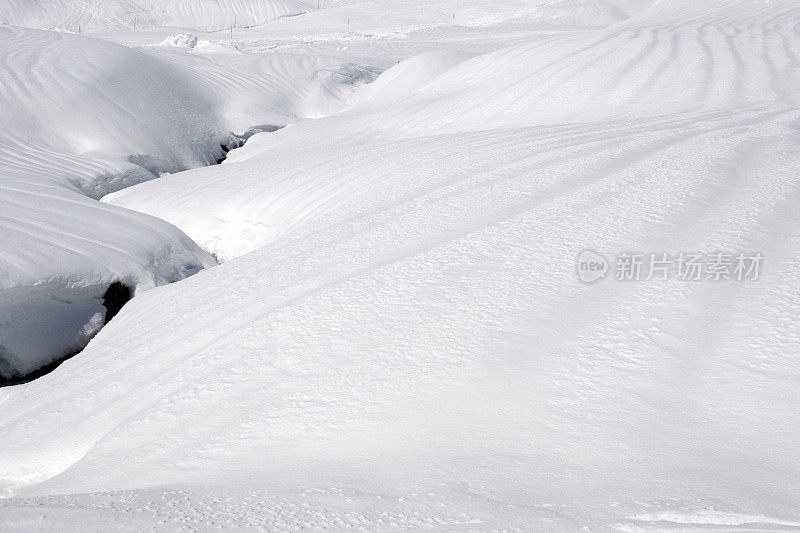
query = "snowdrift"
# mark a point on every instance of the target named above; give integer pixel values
(208, 15)
(81, 119)
(625, 73)
(718, 57)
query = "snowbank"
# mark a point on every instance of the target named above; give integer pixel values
(626, 73)
(184, 40)
(79, 120)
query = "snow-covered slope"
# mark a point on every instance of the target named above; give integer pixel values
(624, 73)
(82, 118)
(399, 340)
(196, 14)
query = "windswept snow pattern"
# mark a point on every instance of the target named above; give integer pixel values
(626, 73)
(397, 339)
(207, 15)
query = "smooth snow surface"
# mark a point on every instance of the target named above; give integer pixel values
(397, 338)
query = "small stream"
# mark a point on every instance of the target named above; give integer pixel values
(117, 294)
(241, 139)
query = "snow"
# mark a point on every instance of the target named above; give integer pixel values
(397, 338)
(186, 40)
(116, 117)
(62, 145)
(195, 14)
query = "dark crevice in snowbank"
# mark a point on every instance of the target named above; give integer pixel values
(36, 374)
(118, 294)
(239, 139)
(146, 167)
(115, 297)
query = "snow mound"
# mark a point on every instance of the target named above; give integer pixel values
(184, 40)
(405, 78)
(80, 120)
(622, 73)
(627, 70)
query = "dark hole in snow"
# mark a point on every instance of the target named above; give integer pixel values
(115, 297)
